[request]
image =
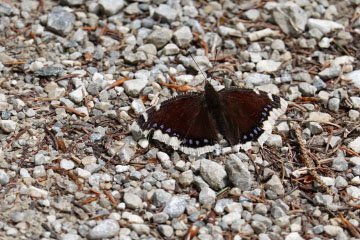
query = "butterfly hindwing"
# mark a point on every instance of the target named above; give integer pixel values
(246, 110)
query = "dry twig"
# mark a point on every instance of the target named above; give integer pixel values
(304, 154)
(70, 110)
(18, 136)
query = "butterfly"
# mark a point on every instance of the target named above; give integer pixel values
(194, 123)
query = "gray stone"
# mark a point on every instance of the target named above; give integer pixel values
(274, 140)
(8, 10)
(356, 170)
(283, 221)
(134, 58)
(133, 8)
(354, 115)
(207, 197)
(355, 102)
(238, 173)
(105, 229)
(8, 126)
(178, 224)
(354, 145)
(138, 106)
(319, 84)
(111, 7)
(353, 191)
(70, 236)
(220, 205)
(267, 66)
(316, 33)
(302, 76)
(229, 44)
(267, 32)
(275, 185)
(202, 62)
(323, 199)
(252, 14)
(307, 90)
(160, 37)
(256, 79)
(279, 209)
(260, 208)
(135, 175)
(278, 44)
(140, 228)
(294, 236)
(324, 26)
(132, 201)
(190, 11)
(160, 197)
(166, 230)
(181, 165)
(67, 164)
(60, 21)
(315, 128)
(354, 76)
(330, 72)
(4, 178)
(125, 154)
(168, 184)
(318, 229)
(18, 104)
(72, 2)
(340, 182)
(186, 178)
(340, 164)
(149, 48)
(170, 49)
(30, 113)
(134, 87)
(334, 104)
(5, 115)
(259, 227)
(325, 42)
(77, 95)
(354, 161)
(183, 37)
(160, 217)
(165, 13)
(228, 31)
(277, 212)
(319, 117)
(39, 172)
(48, 71)
(290, 17)
(267, 221)
(160, 176)
(334, 141)
(231, 217)
(332, 230)
(40, 159)
(175, 207)
(213, 173)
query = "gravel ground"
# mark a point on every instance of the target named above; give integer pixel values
(75, 74)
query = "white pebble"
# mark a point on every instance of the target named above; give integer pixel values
(67, 164)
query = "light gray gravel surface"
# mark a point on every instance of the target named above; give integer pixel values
(75, 74)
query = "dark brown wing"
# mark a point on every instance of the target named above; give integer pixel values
(245, 110)
(185, 117)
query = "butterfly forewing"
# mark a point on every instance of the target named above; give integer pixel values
(185, 117)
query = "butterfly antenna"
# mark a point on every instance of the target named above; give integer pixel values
(198, 67)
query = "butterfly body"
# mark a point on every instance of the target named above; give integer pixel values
(192, 122)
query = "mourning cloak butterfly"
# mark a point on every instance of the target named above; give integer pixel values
(192, 122)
